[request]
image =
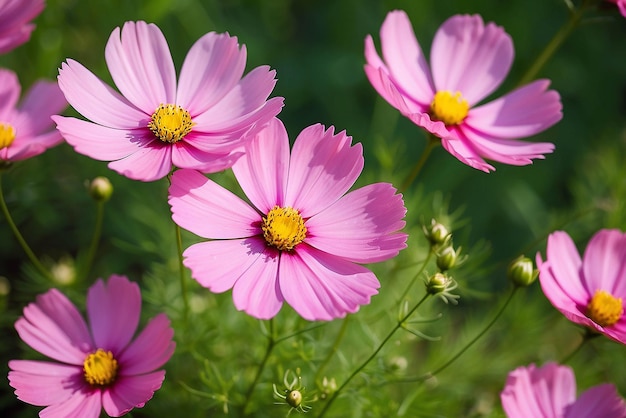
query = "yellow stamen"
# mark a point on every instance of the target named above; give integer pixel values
(100, 368)
(170, 123)
(605, 309)
(449, 108)
(7, 135)
(283, 228)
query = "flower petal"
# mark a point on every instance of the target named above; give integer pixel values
(27, 147)
(97, 101)
(263, 171)
(152, 348)
(43, 100)
(322, 287)
(361, 226)
(53, 326)
(209, 210)
(599, 401)
(323, 166)
(604, 262)
(523, 112)
(152, 161)
(113, 310)
(470, 57)
(141, 65)
(461, 148)
(9, 94)
(13, 21)
(84, 404)
(130, 392)
(43, 383)
(185, 155)
(212, 67)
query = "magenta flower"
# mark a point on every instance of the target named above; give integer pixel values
(300, 240)
(590, 291)
(198, 123)
(621, 5)
(27, 130)
(550, 392)
(15, 16)
(98, 366)
(468, 62)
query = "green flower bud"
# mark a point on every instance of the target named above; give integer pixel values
(436, 233)
(522, 272)
(101, 189)
(447, 258)
(440, 285)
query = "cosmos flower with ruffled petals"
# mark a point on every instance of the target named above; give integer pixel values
(302, 237)
(98, 365)
(15, 26)
(469, 60)
(550, 392)
(199, 121)
(588, 291)
(26, 130)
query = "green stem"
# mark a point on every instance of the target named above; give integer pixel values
(95, 240)
(271, 343)
(333, 349)
(29, 253)
(399, 324)
(181, 269)
(419, 272)
(589, 334)
(432, 141)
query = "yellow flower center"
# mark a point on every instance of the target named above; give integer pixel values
(449, 108)
(170, 123)
(605, 309)
(283, 228)
(7, 135)
(100, 368)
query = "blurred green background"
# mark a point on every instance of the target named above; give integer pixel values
(316, 48)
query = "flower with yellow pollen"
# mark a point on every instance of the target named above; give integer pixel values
(170, 123)
(100, 368)
(589, 291)
(283, 228)
(7, 135)
(449, 108)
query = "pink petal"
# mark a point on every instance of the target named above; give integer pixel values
(97, 101)
(599, 401)
(14, 15)
(361, 226)
(461, 148)
(100, 142)
(604, 262)
(54, 327)
(152, 348)
(404, 58)
(322, 287)
(256, 291)
(42, 383)
(212, 67)
(27, 147)
(323, 166)
(185, 155)
(141, 65)
(263, 171)
(43, 100)
(469, 57)
(9, 94)
(209, 210)
(130, 392)
(113, 310)
(217, 265)
(84, 404)
(523, 112)
(153, 161)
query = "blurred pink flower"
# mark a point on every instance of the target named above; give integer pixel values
(300, 240)
(27, 130)
(199, 122)
(621, 5)
(550, 392)
(590, 291)
(15, 16)
(468, 62)
(99, 366)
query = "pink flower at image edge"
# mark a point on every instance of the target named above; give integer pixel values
(69, 387)
(469, 60)
(302, 238)
(199, 121)
(15, 26)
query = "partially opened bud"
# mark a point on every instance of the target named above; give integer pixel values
(436, 233)
(522, 271)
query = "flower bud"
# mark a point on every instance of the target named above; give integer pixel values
(436, 233)
(447, 258)
(101, 189)
(522, 272)
(440, 285)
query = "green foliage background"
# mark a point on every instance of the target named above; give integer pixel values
(317, 49)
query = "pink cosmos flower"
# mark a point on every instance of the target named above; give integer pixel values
(155, 122)
(98, 366)
(300, 240)
(550, 392)
(469, 60)
(590, 291)
(27, 130)
(15, 16)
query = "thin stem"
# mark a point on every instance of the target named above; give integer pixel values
(399, 324)
(181, 269)
(586, 337)
(18, 235)
(271, 343)
(334, 348)
(432, 141)
(95, 240)
(419, 272)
